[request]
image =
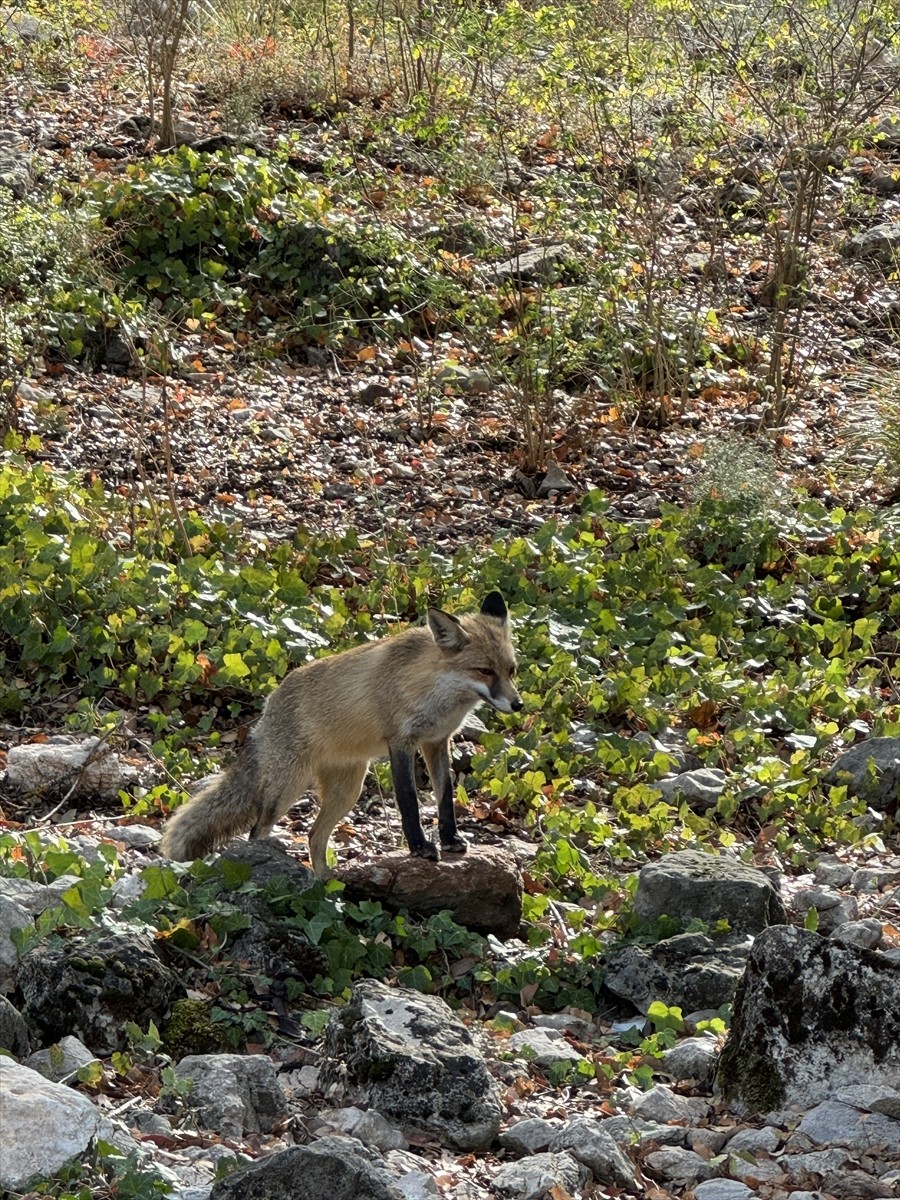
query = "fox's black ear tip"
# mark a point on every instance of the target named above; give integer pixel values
(494, 605)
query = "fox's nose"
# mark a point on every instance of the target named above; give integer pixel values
(518, 704)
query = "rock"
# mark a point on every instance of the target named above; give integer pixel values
(92, 984)
(660, 1104)
(681, 1167)
(832, 908)
(20, 901)
(482, 889)
(44, 1125)
(832, 872)
(880, 244)
(368, 1127)
(866, 934)
(690, 970)
(137, 837)
(873, 879)
(692, 1058)
(335, 1167)
(271, 945)
(589, 1143)
(555, 480)
(690, 884)
(630, 1131)
(810, 1017)
(540, 1177)
(565, 1022)
(542, 264)
(725, 1189)
(754, 1141)
(544, 1048)
(13, 1030)
(62, 1059)
(14, 23)
(872, 1098)
(531, 1135)
(701, 788)
(834, 1124)
(53, 766)
(463, 379)
(408, 1056)
(852, 767)
(234, 1093)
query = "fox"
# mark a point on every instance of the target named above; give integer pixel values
(330, 718)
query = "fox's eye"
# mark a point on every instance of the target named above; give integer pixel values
(486, 671)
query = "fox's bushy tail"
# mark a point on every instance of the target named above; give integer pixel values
(228, 805)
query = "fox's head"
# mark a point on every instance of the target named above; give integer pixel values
(480, 649)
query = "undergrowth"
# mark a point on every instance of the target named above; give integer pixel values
(764, 668)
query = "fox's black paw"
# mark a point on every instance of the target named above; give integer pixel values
(426, 850)
(457, 845)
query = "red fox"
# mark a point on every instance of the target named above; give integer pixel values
(329, 719)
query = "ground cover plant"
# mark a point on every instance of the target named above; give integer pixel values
(313, 316)
(766, 668)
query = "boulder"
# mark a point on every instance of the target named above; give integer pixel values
(44, 1125)
(92, 984)
(338, 1168)
(234, 1093)
(482, 889)
(409, 1057)
(690, 970)
(56, 764)
(810, 1017)
(690, 884)
(878, 784)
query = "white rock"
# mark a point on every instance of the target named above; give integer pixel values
(681, 1167)
(531, 1135)
(724, 1189)
(368, 1127)
(38, 766)
(544, 1046)
(661, 1104)
(532, 1178)
(44, 1125)
(61, 1059)
(754, 1141)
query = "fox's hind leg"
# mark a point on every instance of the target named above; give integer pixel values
(339, 789)
(280, 789)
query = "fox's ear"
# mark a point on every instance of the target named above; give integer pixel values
(494, 605)
(446, 630)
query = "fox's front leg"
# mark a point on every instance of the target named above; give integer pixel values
(403, 770)
(437, 760)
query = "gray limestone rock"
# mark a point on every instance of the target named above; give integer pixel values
(589, 1143)
(810, 1017)
(92, 984)
(407, 1055)
(234, 1093)
(338, 1168)
(878, 785)
(530, 1136)
(537, 1177)
(711, 887)
(44, 1125)
(13, 1030)
(690, 970)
